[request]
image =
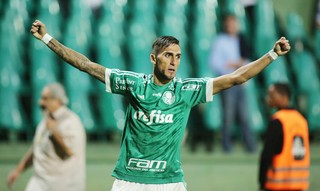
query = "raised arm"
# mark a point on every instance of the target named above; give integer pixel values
(70, 56)
(246, 72)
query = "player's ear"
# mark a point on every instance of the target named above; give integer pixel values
(153, 59)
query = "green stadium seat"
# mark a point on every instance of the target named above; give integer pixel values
(44, 65)
(317, 44)
(78, 86)
(12, 116)
(12, 33)
(44, 70)
(20, 12)
(49, 13)
(112, 112)
(77, 83)
(174, 23)
(80, 104)
(305, 70)
(80, 9)
(139, 42)
(212, 113)
(265, 27)
(110, 37)
(9, 71)
(295, 27)
(276, 72)
(203, 34)
(313, 111)
(256, 118)
(141, 34)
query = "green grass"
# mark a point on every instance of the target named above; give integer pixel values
(206, 172)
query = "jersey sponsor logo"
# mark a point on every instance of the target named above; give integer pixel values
(191, 87)
(154, 117)
(168, 97)
(147, 165)
(124, 84)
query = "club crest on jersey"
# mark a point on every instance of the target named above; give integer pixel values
(168, 97)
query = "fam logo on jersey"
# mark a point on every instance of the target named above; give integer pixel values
(147, 165)
(168, 97)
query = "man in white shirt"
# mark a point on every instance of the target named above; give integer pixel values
(58, 150)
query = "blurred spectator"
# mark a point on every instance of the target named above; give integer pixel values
(285, 158)
(230, 52)
(58, 150)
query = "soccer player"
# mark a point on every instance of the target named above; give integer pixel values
(159, 105)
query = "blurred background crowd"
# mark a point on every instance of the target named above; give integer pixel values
(119, 34)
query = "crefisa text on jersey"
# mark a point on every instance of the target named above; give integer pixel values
(155, 116)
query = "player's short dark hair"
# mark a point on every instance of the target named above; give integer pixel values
(163, 42)
(283, 89)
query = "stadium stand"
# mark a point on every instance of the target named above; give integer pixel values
(305, 70)
(256, 120)
(317, 44)
(265, 35)
(44, 68)
(12, 116)
(78, 36)
(174, 22)
(141, 33)
(109, 41)
(203, 34)
(122, 39)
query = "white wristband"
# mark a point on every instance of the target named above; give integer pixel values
(46, 38)
(273, 55)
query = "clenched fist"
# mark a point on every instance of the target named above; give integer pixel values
(38, 29)
(282, 46)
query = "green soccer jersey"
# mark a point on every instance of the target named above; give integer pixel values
(155, 123)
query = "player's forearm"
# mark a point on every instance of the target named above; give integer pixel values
(252, 69)
(70, 56)
(77, 60)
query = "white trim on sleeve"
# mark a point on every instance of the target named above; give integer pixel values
(107, 80)
(209, 90)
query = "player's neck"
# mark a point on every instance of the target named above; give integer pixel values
(160, 82)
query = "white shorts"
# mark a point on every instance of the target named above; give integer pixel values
(121, 185)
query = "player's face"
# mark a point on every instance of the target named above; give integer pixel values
(274, 98)
(166, 63)
(47, 102)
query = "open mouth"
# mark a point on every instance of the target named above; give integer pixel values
(171, 70)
